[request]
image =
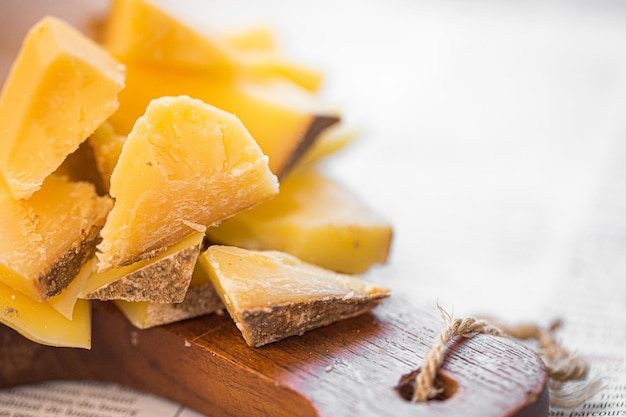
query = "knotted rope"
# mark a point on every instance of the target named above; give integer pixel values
(566, 371)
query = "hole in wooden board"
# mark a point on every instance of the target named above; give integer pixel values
(443, 383)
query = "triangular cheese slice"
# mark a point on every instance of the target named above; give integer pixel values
(185, 165)
(41, 323)
(272, 295)
(45, 240)
(162, 279)
(200, 299)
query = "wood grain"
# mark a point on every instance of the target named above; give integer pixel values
(351, 368)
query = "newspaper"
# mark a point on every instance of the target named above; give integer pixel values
(85, 399)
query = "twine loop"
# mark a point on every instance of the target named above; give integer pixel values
(567, 372)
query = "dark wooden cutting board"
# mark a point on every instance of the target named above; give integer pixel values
(350, 368)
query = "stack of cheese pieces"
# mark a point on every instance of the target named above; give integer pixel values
(145, 170)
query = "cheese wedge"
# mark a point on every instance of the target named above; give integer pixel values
(315, 219)
(41, 323)
(201, 299)
(60, 88)
(273, 295)
(284, 119)
(164, 278)
(186, 165)
(45, 240)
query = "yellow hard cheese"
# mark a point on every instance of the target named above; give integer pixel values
(138, 31)
(65, 301)
(330, 141)
(185, 165)
(272, 295)
(200, 299)
(164, 278)
(315, 219)
(283, 118)
(253, 38)
(60, 88)
(45, 240)
(41, 323)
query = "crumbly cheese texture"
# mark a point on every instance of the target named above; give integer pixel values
(315, 219)
(184, 165)
(164, 278)
(61, 87)
(45, 240)
(200, 299)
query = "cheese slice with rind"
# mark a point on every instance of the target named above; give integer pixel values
(185, 165)
(45, 240)
(272, 295)
(60, 88)
(164, 278)
(41, 323)
(200, 299)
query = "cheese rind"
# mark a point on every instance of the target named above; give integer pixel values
(60, 88)
(162, 279)
(201, 298)
(272, 295)
(315, 219)
(186, 164)
(45, 240)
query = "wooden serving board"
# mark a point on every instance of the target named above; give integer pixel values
(350, 368)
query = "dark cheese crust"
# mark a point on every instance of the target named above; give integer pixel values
(263, 325)
(317, 125)
(154, 282)
(63, 270)
(200, 300)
